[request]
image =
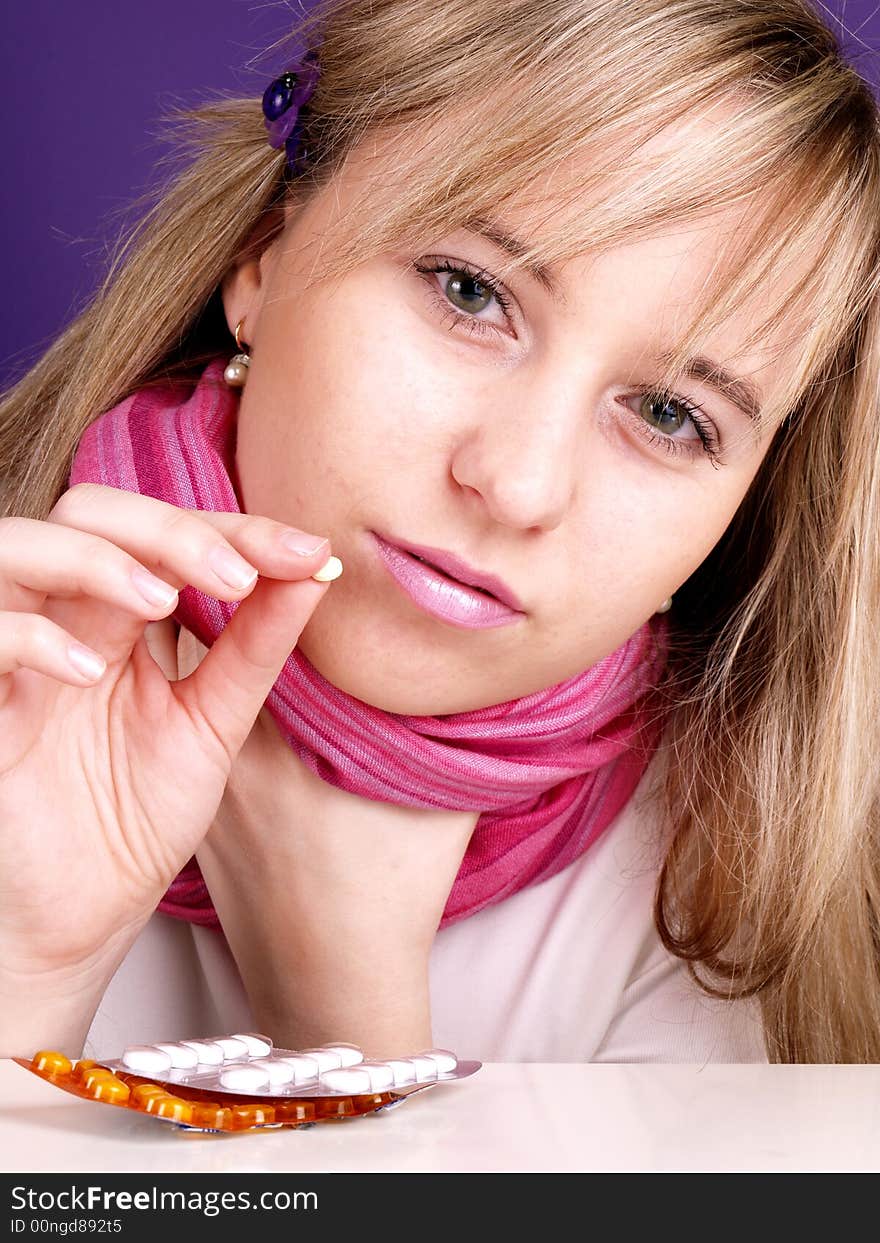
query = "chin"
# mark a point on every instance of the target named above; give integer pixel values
(366, 676)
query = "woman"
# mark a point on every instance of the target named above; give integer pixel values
(582, 302)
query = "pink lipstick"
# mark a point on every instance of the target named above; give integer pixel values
(429, 576)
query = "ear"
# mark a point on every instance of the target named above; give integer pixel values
(243, 287)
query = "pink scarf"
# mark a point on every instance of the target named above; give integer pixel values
(549, 772)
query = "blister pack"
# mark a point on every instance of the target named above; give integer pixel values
(242, 1082)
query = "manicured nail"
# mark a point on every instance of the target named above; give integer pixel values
(299, 542)
(331, 569)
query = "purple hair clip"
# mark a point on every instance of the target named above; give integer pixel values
(282, 100)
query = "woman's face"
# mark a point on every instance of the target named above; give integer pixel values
(413, 407)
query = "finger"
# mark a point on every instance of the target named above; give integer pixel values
(234, 678)
(217, 552)
(182, 545)
(32, 641)
(40, 559)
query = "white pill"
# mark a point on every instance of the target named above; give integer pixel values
(305, 1069)
(347, 1079)
(324, 1059)
(349, 1054)
(257, 1045)
(278, 1071)
(146, 1058)
(445, 1059)
(402, 1069)
(182, 1057)
(231, 1048)
(381, 1075)
(250, 1077)
(207, 1051)
(426, 1067)
(330, 570)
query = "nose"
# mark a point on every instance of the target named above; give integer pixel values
(522, 457)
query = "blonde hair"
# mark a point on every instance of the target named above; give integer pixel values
(770, 884)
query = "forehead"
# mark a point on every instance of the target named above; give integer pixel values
(657, 277)
(653, 282)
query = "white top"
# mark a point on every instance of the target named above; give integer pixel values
(570, 970)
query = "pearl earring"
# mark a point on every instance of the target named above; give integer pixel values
(236, 372)
(665, 606)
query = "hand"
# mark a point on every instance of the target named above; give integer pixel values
(330, 902)
(107, 786)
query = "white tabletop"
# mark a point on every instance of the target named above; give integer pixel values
(511, 1117)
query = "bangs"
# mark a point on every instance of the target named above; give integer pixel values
(663, 124)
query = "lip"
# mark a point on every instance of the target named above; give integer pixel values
(446, 586)
(455, 568)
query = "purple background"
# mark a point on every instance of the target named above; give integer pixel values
(82, 87)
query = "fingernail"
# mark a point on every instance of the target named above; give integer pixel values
(85, 661)
(331, 569)
(232, 568)
(299, 542)
(156, 592)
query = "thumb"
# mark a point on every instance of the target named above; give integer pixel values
(231, 684)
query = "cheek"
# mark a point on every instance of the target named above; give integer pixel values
(640, 540)
(687, 532)
(357, 375)
(313, 446)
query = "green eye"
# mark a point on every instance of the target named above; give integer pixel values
(652, 404)
(672, 413)
(468, 293)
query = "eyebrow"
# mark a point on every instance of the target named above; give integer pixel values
(736, 389)
(517, 247)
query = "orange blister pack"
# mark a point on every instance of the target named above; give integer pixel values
(242, 1083)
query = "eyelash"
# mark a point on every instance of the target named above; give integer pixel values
(709, 444)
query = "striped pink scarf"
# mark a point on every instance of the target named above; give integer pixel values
(548, 772)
